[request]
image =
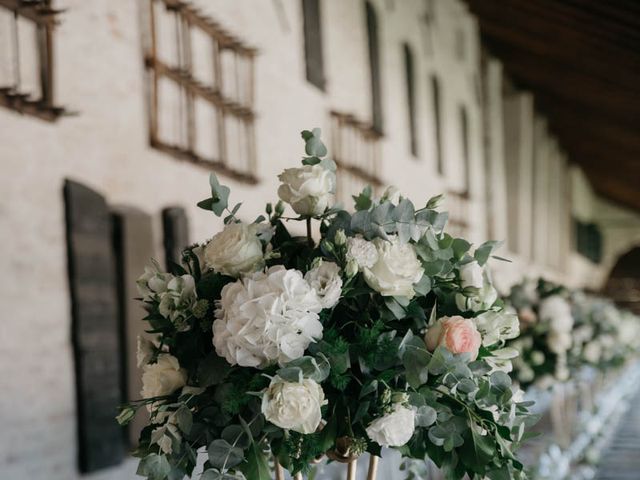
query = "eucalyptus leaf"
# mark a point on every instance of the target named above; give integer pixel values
(223, 455)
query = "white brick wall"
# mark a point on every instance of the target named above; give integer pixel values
(100, 75)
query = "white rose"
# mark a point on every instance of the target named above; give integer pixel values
(362, 252)
(308, 189)
(163, 377)
(593, 352)
(471, 275)
(293, 405)
(393, 429)
(391, 194)
(557, 312)
(235, 251)
(266, 318)
(497, 326)
(396, 270)
(152, 282)
(325, 279)
(178, 300)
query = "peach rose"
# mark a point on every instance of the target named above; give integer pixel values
(456, 334)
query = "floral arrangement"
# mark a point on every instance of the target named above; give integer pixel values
(381, 330)
(604, 336)
(546, 325)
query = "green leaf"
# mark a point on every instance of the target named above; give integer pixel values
(483, 252)
(154, 467)
(434, 202)
(237, 436)
(394, 307)
(212, 370)
(213, 474)
(290, 374)
(219, 195)
(223, 455)
(416, 358)
(313, 145)
(368, 388)
(184, 418)
(426, 416)
(478, 450)
(460, 246)
(316, 369)
(363, 200)
(423, 286)
(257, 466)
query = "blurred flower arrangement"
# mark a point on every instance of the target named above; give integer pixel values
(562, 331)
(385, 332)
(604, 336)
(546, 324)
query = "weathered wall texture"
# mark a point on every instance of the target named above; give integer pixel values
(100, 76)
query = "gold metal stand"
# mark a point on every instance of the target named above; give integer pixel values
(352, 467)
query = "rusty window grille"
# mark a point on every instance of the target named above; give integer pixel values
(201, 90)
(356, 150)
(457, 204)
(26, 57)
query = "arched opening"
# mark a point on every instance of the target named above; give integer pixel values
(623, 284)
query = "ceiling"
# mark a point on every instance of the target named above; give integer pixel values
(581, 58)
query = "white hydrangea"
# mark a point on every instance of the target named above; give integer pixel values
(393, 429)
(325, 279)
(267, 317)
(362, 252)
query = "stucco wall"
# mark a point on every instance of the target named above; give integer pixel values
(99, 75)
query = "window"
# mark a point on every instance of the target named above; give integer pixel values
(464, 142)
(26, 58)
(374, 64)
(437, 121)
(588, 240)
(411, 97)
(313, 43)
(356, 150)
(200, 85)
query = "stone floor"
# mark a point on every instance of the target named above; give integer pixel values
(621, 460)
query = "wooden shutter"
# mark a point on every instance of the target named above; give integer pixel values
(176, 234)
(133, 244)
(95, 331)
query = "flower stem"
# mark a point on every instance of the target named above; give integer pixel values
(309, 237)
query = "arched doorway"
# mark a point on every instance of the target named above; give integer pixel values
(623, 284)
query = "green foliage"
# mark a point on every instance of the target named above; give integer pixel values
(371, 357)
